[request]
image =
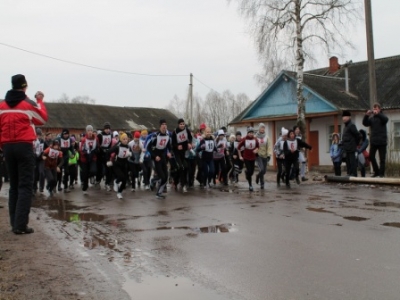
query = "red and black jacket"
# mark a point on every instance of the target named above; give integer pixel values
(18, 117)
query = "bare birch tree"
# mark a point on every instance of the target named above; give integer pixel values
(216, 110)
(176, 106)
(293, 31)
(77, 99)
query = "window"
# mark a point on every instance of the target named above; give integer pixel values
(396, 135)
(329, 135)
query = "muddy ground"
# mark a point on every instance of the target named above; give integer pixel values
(34, 267)
(49, 265)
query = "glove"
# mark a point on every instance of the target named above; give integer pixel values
(310, 148)
(268, 159)
(109, 164)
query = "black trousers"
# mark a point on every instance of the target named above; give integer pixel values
(221, 170)
(182, 167)
(250, 164)
(147, 167)
(162, 173)
(120, 168)
(88, 169)
(351, 163)
(20, 161)
(103, 170)
(379, 171)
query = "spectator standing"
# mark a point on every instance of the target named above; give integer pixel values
(336, 154)
(378, 141)
(18, 118)
(362, 152)
(350, 140)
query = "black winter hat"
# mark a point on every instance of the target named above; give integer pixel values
(238, 133)
(163, 121)
(346, 113)
(18, 82)
(65, 131)
(107, 125)
(181, 121)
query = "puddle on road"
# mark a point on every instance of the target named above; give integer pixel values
(392, 224)
(76, 217)
(172, 288)
(353, 218)
(321, 210)
(62, 210)
(387, 204)
(56, 204)
(223, 228)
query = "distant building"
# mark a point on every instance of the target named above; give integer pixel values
(76, 117)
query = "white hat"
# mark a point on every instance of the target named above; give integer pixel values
(284, 131)
(115, 133)
(221, 132)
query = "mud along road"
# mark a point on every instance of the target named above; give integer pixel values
(314, 241)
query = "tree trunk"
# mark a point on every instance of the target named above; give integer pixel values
(301, 101)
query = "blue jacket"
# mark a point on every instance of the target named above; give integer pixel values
(336, 153)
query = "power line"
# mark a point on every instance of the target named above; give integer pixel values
(206, 85)
(88, 66)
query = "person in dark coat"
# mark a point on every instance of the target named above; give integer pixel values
(350, 140)
(377, 121)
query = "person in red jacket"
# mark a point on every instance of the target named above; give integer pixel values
(249, 154)
(18, 117)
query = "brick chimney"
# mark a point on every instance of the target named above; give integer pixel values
(333, 65)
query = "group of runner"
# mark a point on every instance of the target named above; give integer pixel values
(181, 157)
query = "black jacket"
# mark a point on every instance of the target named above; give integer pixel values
(351, 137)
(378, 128)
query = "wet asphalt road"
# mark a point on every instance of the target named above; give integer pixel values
(314, 241)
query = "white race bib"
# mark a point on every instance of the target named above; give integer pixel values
(105, 143)
(53, 153)
(182, 136)
(250, 144)
(162, 141)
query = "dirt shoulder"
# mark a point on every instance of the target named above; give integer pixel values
(34, 266)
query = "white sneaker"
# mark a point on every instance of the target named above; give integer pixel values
(147, 187)
(85, 192)
(132, 189)
(184, 189)
(108, 188)
(119, 195)
(115, 186)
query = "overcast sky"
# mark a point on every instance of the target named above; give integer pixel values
(157, 37)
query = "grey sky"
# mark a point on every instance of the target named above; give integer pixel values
(172, 37)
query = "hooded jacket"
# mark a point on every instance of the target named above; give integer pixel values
(265, 149)
(18, 117)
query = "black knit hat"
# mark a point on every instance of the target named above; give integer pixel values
(346, 113)
(18, 82)
(65, 131)
(107, 125)
(163, 121)
(238, 133)
(181, 121)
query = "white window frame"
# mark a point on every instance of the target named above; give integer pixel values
(396, 135)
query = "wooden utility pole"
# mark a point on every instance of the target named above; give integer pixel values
(370, 51)
(191, 101)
